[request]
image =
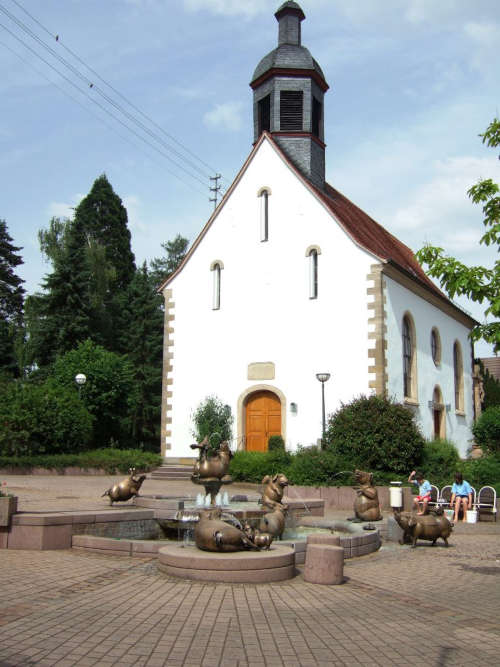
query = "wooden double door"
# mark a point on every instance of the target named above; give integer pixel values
(263, 419)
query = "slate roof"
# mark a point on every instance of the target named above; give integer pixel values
(287, 56)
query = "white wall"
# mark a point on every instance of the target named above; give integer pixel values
(426, 316)
(266, 314)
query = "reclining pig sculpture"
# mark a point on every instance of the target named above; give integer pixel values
(423, 527)
(214, 532)
(126, 489)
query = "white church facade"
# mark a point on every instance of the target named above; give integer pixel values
(289, 279)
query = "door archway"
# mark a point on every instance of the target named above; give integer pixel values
(262, 419)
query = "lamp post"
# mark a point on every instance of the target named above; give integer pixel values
(323, 377)
(80, 380)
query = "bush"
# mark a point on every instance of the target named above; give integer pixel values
(482, 472)
(376, 433)
(110, 460)
(275, 442)
(108, 393)
(313, 466)
(440, 461)
(212, 418)
(42, 419)
(486, 430)
(253, 466)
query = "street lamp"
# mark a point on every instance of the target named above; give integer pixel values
(323, 377)
(80, 380)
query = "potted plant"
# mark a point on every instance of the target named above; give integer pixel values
(8, 505)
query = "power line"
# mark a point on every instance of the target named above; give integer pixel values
(117, 92)
(100, 105)
(99, 118)
(91, 85)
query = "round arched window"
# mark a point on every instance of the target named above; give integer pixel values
(435, 346)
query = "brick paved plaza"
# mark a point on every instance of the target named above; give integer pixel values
(422, 607)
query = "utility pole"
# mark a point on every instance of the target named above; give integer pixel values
(215, 189)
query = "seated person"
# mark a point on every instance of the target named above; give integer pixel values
(424, 491)
(461, 496)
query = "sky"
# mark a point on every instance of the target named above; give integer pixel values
(412, 84)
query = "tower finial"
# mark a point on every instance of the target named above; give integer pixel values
(289, 17)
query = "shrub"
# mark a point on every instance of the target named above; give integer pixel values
(482, 472)
(486, 430)
(212, 418)
(313, 466)
(110, 460)
(375, 433)
(108, 393)
(42, 419)
(440, 461)
(275, 442)
(253, 466)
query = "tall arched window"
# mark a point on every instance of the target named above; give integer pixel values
(312, 252)
(458, 374)
(435, 346)
(264, 214)
(438, 414)
(409, 359)
(216, 267)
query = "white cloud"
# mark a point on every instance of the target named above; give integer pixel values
(133, 204)
(229, 7)
(64, 209)
(227, 116)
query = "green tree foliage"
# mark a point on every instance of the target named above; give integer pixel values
(163, 267)
(11, 303)
(476, 282)
(42, 419)
(491, 387)
(142, 341)
(376, 433)
(212, 417)
(108, 394)
(486, 430)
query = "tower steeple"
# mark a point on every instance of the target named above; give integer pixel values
(289, 86)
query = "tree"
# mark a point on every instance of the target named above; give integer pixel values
(476, 282)
(142, 341)
(163, 267)
(11, 303)
(108, 393)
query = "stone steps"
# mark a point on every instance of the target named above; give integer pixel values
(170, 472)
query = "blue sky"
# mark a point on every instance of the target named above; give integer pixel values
(412, 83)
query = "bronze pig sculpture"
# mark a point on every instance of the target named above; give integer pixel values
(260, 539)
(272, 492)
(212, 465)
(274, 522)
(423, 527)
(213, 534)
(366, 504)
(126, 489)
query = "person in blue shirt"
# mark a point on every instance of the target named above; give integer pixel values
(461, 496)
(424, 491)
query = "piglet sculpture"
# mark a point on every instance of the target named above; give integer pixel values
(126, 489)
(423, 527)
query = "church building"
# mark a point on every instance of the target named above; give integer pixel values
(289, 282)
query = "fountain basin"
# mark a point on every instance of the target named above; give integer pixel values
(189, 562)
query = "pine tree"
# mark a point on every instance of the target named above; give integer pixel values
(163, 267)
(105, 221)
(142, 341)
(11, 302)
(61, 318)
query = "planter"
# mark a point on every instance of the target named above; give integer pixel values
(8, 507)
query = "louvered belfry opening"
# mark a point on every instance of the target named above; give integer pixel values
(291, 110)
(264, 114)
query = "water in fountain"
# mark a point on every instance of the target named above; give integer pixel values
(200, 500)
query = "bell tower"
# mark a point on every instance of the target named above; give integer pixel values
(288, 89)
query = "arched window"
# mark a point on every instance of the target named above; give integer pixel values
(312, 252)
(458, 374)
(216, 267)
(264, 214)
(435, 346)
(409, 359)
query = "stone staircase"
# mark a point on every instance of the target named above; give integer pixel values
(173, 469)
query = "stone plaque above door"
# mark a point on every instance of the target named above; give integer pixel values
(263, 370)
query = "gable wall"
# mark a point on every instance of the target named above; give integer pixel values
(266, 314)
